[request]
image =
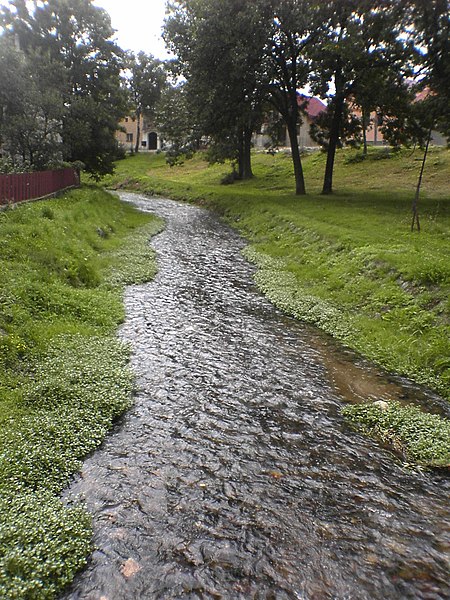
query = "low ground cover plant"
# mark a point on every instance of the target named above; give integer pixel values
(64, 377)
(422, 438)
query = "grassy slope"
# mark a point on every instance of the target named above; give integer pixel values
(63, 374)
(347, 263)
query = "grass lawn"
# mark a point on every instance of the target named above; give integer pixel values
(63, 374)
(348, 262)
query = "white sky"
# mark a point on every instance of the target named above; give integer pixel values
(138, 24)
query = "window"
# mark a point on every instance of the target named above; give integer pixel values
(129, 137)
(144, 144)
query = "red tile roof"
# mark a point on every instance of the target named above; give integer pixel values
(310, 105)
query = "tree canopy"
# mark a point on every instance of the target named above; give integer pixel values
(239, 57)
(220, 54)
(76, 72)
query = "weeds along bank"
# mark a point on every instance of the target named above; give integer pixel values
(347, 263)
(63, 373)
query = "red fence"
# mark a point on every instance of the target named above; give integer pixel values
(26, 186)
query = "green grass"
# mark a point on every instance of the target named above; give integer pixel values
(347, 263)
(63, 374)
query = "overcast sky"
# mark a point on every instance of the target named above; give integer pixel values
(138, 24)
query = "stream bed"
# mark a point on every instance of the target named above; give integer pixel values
(234, 475)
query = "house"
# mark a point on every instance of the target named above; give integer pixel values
(149, 138)
(374, 134)
(310, 108)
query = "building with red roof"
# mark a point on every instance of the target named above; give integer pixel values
(310, 109)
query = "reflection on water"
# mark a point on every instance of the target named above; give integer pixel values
(234, 475)
(356, 380)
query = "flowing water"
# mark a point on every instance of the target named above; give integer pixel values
(234, 476)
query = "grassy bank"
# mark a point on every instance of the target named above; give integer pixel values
(347, 263)
(63, 373)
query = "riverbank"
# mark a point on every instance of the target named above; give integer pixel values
(64, 376)
(347, 263)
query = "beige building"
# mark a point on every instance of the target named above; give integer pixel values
(149, 138)
(374, 134)
(310, 107)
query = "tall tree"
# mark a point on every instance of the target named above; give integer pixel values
(76, 35)
(357, 37)
(220, 50)
(292, 31)
(30, 107)
(145, 82)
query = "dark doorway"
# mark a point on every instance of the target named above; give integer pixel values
(152, 141)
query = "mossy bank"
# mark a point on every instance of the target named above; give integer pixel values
(347, 263)
(63, 373)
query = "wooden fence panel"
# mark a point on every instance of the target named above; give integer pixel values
(28, 186)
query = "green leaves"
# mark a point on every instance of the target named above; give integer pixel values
(423, 438)
(42, 544)
(66, 99)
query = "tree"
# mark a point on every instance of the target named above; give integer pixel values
(75, 36)
(292, 26)
(356, 38)
(176, 124)
(30, 107)
(147, 78)
(429, 22)
(382, 91)
(221, 60)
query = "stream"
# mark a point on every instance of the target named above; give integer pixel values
(234, 475)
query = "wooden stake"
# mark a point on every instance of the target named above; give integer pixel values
(415, 218)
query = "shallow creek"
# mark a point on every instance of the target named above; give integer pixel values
(234, 475)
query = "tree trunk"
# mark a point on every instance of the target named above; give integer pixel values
(300, 188)
(364, 122)
(138, 130)
(245, 156)
(247, 172)
(334, 138)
